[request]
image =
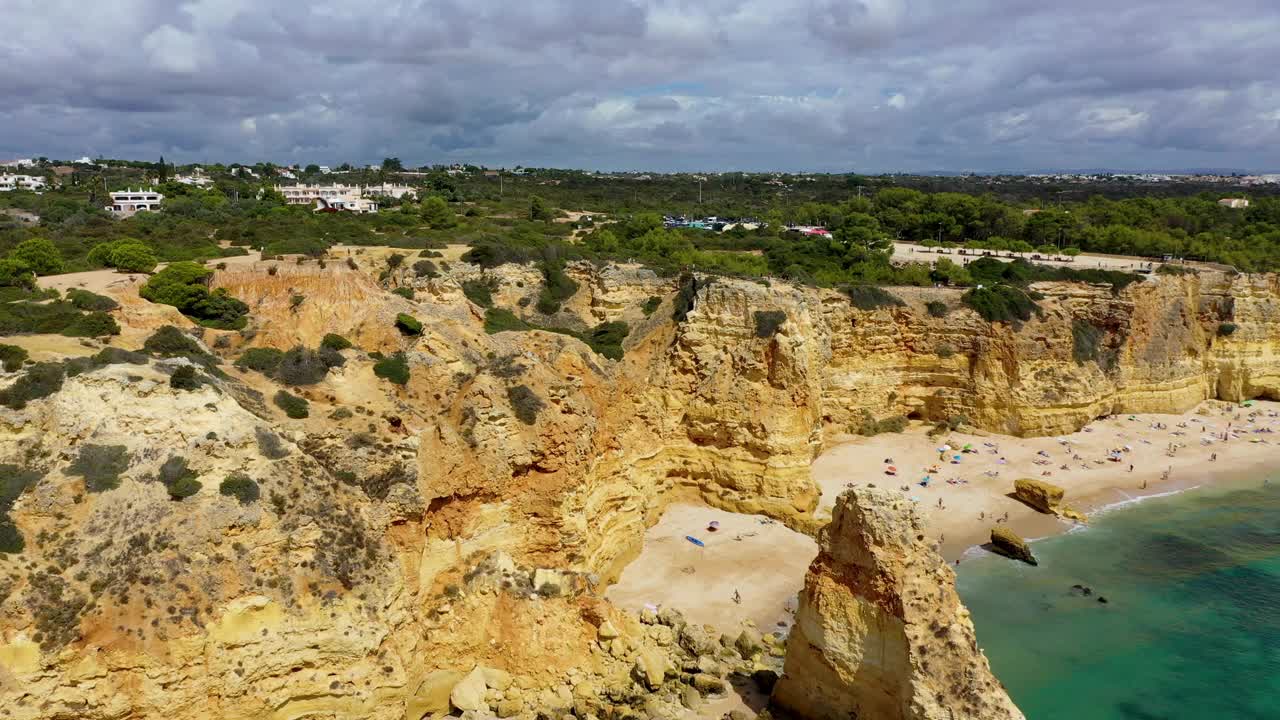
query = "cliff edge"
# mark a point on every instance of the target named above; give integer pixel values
(881, 632)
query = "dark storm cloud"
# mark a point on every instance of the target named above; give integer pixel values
(661, 84)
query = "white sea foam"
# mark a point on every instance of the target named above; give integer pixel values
(1135, 499)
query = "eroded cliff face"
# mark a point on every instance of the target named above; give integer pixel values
(880, 632)
(351, 586)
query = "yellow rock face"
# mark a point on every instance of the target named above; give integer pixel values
(335, 591)
(880, 632)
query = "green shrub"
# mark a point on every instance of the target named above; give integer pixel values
(335, 342)
(768, 322)
(651, 305)
(408, 324)
(1002, 303)
(85, 300)
(184, 487)
(404, 292)
(42, 318)
(184, 285)
(936, 308)
(556, 287)
(126, 254)
(498, 320)
(169, 341)
(100, 466)
(394, 369)
(292, 405)
(38, 254)
(16, 274)
(12, 357)
(11, 542)
(1086, 341)
(39, 381)
(870, 297)
(241, 487)
(525, 403)
(178, 478)
(14, 481)
(184, 378)
(395, 260)
(425, 268)
(262, 359)
(606, 338)
(301, 366)
(296, 300)
(94, 324)
(480, 291)
(118, 356)
(945, 351)
(1226, 329)
(870, 426)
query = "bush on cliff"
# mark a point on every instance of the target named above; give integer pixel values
(1086, 341)
(768, 322)
(12, 357)
(185, 285)
(1226, 329)
(525, 403)
(870, 297)
(408, 324)
(1002, 303)
(241, 487)
(292, 405)
(871, 426)
(40, 380)
(480, 291)
(100, 466)
(394, 369)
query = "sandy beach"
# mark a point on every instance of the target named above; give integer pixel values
(764, 562)
(1165, 452)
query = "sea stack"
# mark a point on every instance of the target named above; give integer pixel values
(881, 632)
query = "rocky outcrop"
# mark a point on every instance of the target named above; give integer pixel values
(350, 586)
(1007, 543)
(1044, 497)
(880, 632)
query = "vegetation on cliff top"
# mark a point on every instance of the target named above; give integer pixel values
(185, 285)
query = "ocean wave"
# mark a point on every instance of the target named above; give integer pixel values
(1135, 499)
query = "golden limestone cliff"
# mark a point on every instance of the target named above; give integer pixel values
(880, 632)
(362, 580)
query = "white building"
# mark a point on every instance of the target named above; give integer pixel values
(1234, 203)
(34, 183)
(389, 190)
(352, 198)
(325, 169)
(18, 163)
(127, 203)
(346, 203)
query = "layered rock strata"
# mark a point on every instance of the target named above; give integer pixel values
(880, 632)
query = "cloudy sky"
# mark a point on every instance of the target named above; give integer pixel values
(836, 85)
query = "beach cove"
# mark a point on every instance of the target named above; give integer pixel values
(750, 568)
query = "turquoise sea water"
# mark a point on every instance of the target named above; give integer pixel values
(1191, 629)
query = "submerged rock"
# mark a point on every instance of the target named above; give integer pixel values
(1006, 542)
(880, 632)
